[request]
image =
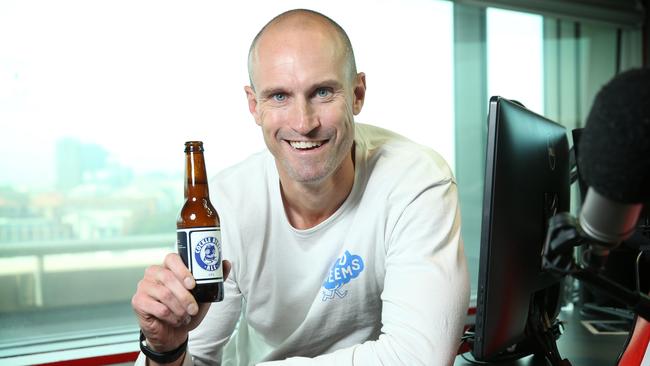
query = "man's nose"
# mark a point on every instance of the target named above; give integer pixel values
(303, 119)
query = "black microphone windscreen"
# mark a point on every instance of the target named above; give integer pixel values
(615, 144)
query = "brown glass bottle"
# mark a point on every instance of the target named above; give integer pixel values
(198, 229)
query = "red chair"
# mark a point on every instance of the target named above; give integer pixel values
(637, 345)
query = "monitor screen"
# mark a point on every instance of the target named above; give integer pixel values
(526, 182)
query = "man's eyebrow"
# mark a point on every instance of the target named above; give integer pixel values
(265, 93)
(332, 83)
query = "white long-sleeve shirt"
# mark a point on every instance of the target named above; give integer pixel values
(383, 281)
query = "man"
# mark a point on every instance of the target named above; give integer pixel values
(344, 242)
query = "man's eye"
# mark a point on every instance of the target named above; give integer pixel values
(279, 97)
(323, 92)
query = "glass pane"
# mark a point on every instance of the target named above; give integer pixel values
(514, 57)
(514, 70)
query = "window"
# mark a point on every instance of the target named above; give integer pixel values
(514, 57)
(498, 52)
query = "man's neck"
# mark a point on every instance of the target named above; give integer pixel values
(307, 205)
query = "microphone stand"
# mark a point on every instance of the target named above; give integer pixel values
(562, 236)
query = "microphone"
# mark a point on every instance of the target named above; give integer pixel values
(614, 160)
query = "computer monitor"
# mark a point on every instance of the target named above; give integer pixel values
(526, 182)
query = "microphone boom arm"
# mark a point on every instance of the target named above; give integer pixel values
(562, 236)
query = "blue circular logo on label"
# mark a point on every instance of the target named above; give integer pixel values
(208, 253)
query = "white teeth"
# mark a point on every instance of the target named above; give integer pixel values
(305, 144)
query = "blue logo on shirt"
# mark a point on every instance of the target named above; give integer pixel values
(346, 268)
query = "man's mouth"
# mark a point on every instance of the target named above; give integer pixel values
(306, 145)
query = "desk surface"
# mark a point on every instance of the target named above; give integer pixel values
(577, 344)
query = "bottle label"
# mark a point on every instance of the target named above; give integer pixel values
(200, 249)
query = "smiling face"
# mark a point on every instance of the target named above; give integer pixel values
(304, 100)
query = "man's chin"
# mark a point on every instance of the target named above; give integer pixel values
(308, 177)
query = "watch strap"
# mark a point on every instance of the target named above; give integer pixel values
(161, 357)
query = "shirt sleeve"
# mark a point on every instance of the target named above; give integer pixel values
(206, 342)
(426, 289)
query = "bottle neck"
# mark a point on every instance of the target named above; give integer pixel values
(196, 181)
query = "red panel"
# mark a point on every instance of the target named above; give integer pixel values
(97, 361)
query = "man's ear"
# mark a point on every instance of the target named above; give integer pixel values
(252, 103)
(359, 93)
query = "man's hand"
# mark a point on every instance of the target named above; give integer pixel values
(165, 307)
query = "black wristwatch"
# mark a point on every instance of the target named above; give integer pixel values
(161, 357)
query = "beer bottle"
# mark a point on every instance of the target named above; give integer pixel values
(198, 229)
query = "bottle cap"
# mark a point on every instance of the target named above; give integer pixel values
(193, 146)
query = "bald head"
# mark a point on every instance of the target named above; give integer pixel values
(300, 20)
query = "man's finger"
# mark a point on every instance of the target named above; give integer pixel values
(170, 291)
(162, 310)
(175, 264)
